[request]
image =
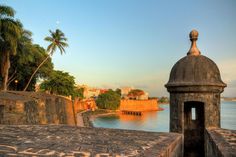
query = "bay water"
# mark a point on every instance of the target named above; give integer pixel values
(158, 121)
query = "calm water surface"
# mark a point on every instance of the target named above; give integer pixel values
(159, 120)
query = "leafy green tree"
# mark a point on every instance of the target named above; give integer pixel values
(163, 100)
(29, 56)
(78, 93)
(10, 31)
(118, 91)
(60, 83)
(109, 100)
(135, 93)
(23, 44)
(58, 40)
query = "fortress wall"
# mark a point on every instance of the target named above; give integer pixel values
(220, 142)
(131, 105)
(139, 105)
(84, 105)
(32, 108)
(12, 113)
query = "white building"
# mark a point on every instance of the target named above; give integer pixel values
(89, 92)
(125, 91)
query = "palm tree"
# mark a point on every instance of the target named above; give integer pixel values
(10, 31)
(24, 55)
(58, 40)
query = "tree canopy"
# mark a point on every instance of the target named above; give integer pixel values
(10, 33)
(78, 93)
(109, 100)
(23, 65)
(60, 83)
(118, 91)
(58, 40)
(18, 54)
(163, 100)
(135, 93)
(23, 62)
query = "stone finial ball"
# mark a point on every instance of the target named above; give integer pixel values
(193, 34)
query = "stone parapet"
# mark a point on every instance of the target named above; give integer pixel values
(220, 142)
(62, 140)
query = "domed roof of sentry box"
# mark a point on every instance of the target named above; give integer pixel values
(195, 69)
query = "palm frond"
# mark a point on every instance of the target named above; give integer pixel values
(50, 39)
(62, 50)
(53, 49)
(63, 44)
(10, 26)
(57, 40)
(6, 11)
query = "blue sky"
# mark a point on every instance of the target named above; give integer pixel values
(116, 43)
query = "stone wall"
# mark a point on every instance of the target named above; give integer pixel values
(130, 105)
(139, 105)
(80, 105)
(35, 108)
(220, 142)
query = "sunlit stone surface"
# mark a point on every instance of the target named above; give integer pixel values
(61, 140)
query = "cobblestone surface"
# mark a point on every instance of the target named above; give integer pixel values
(63, 140)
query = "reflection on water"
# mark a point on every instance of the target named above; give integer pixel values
(159, 120)
(145, 116)
(149, 121)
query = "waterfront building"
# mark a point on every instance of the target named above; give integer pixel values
(144, 96)
(125, 91)
(89, 92)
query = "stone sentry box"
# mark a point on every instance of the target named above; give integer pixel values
(195, 86)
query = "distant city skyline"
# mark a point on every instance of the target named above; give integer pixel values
(121, 43)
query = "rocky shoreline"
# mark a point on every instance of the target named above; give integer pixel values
(89, 116)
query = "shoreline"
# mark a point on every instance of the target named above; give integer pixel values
(229, 100)
(93, 117)
(89, 116)
(163, 103)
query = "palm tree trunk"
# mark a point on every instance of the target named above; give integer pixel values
(11, 78)
(5, 65)
(31, 77)
(10, 81)
(5, 78)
